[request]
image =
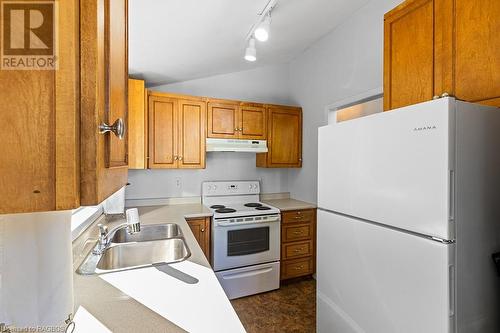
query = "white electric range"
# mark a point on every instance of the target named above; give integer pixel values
(245, 237)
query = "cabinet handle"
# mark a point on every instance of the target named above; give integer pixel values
(236, 129)
(176, 158)
(297, 232)
(180, 158)
(202, 230)
(118, 128)
(298, 250)
(298, 267)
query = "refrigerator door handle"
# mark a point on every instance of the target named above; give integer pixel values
(451, 204)
(451, 276)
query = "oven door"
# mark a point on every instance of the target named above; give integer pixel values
(244, 244)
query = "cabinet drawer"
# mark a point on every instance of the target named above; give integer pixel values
(298, 216)
(295, 232)
(297, 250)
(295, 268)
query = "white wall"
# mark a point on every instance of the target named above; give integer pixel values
(266, 85)
(346, 62)
(220, 166)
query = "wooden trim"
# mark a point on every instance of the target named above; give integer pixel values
(67, 109)
(174, 95)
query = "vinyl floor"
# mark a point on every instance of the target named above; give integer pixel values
(290, 309)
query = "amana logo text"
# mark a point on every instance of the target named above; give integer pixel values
(425, 128)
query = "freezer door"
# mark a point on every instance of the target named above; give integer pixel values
(375, 279)
(393, 168)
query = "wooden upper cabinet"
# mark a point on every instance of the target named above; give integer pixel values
(476, 54)
(433, 47)
(177, 126)
(236, 120)
(223, 119)
(163, 113)
(137, 125)
(253, 121)
(104, 80)
(409, 54)
(192, 124)
(284, 138)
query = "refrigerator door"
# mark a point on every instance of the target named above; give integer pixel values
(394, 168)
(376, 279)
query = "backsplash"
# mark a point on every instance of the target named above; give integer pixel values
(150, 184)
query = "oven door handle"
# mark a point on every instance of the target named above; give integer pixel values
(229, 224)
(247, 274)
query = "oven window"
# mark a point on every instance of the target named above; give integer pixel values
(247, 241)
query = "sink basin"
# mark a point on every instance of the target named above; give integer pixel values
(148, 232)
(145, 253)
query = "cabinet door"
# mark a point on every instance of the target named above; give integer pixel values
(253, 124)
(409, 54)
(223, 120)
(162, 132)
(201, 231)
(103, 91)
(192, 134)
(477, 51)
(284, 138)
(116, 79)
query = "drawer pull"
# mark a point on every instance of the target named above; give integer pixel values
(297, 232)
(298, 250)
(299, 267)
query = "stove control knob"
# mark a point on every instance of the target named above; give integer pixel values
(209, 187)
(215, 187)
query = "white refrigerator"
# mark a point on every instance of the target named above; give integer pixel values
(409, 216)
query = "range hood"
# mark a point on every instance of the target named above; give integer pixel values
(249, 146)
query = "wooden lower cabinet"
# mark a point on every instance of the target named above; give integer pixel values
(298, 243)
(201, 231)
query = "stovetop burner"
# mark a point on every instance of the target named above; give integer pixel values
(253, 204)
(217, 206)
(262, 208)
(225, 210)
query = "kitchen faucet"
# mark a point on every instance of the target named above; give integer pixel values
(133, 226)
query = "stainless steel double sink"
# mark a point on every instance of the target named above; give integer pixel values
(155, 244)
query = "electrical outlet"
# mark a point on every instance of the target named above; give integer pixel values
(178, 182)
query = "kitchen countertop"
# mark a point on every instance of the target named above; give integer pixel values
(180, 297)
(289, 204)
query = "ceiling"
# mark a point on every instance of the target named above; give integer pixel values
(178, 40)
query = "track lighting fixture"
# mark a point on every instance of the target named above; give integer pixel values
(251, 52)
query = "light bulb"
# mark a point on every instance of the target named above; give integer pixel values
(262, 31)
(251, 52)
